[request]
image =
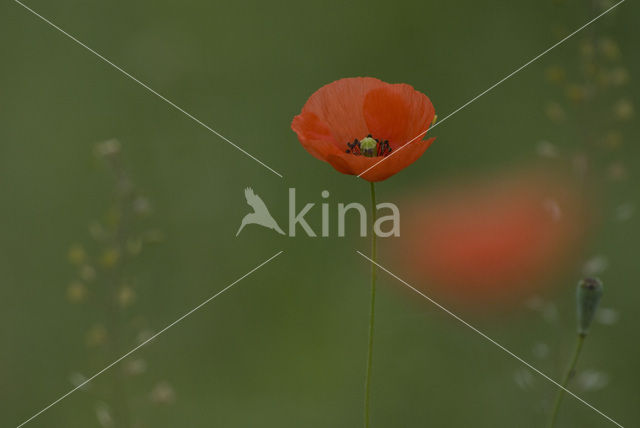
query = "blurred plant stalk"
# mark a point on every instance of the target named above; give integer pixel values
(117, 241)
(109, 275)
(599, 109)
(588, 297)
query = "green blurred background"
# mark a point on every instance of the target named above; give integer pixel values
(287, 346)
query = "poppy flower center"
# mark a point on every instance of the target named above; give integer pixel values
(369, 147)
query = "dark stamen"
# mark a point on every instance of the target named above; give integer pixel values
(383, 148)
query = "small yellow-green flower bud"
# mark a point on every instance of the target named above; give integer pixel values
(96, 336)
(77, 254)
(109, 258)
(76, 292)
(588, 297)
(623, 109)
(125, 296)
(368, 147)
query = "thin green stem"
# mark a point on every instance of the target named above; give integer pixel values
(123, 195)
(565, 381)
(372, 313)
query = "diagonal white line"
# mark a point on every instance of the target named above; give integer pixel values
(490, 339)
(180, 109)
(149, 340)
(540, 55)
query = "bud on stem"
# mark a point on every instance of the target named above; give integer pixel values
(588, 297)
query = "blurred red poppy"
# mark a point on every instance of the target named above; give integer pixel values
(354, 123)
(493, 239)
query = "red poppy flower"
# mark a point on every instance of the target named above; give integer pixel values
(493, 240)
(354, 123)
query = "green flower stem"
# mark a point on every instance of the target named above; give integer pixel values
(565, 381)
(372, 316)
(123, 195)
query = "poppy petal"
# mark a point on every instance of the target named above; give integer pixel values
(397, 113)
(339, 105)
(487, 240)
(314, 135)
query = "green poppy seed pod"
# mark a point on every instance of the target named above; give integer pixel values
(368, 147)
(588, 297)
